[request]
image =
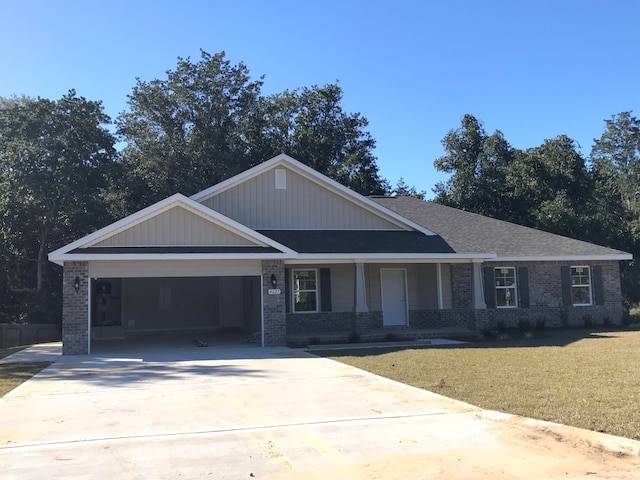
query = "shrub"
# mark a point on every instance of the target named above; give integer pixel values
(391, 337)
(354, 337)
(524, 325)
(501, 326)
(564, 316)
(541, 322)
(587, 320)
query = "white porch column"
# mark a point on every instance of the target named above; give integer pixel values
(478, 290)
(439, 278)
(360, 290)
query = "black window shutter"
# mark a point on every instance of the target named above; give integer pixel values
(565, 275)
(598, 287)
(489, 287)
(325, 289)
(287, 290)
(523, 276)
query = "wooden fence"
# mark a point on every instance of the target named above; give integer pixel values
(13, 335)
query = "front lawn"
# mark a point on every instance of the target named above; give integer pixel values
(13, 374)
(574, 377)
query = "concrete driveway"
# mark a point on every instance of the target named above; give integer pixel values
(233, 413)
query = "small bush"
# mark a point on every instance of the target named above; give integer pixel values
(541, 322)
(564, 316)
(391, 337)
(354, 337)
(314, 341)
(587, 320)
(524, 325)
(607, 322)
(501, 326)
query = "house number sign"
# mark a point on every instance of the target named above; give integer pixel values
(274, 291)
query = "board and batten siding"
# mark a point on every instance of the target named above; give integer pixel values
(302, 204)
(174, 268)
(176, 226)
(422, 285)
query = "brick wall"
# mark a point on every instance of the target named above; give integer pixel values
(462, 286)
(545, 292)
(75, 326)
(275, 322)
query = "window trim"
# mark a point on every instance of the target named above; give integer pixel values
(499, 287)
(293, 290)
(581, 285)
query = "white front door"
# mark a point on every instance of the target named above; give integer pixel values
(394, 296)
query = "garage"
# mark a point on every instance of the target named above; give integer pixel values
(127, 307)
(140, 299)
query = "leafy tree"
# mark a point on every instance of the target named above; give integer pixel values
(404, 190)
(54, 164)
(478, 164)
(189, 131)
(310, 125)
(208, 121)
(616, 158)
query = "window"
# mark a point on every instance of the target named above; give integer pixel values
(581, 285)
(506, 290)
(305, 291)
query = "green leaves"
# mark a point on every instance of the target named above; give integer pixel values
(55, 161)
(208, 121)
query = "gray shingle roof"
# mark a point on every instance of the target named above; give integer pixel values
(358, 241)
(470, 233)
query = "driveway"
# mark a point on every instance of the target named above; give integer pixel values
(242, 412)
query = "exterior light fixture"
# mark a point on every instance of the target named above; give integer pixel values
(76, 284)
(274, 281)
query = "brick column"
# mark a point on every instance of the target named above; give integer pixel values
(75, 328)
(273, 306)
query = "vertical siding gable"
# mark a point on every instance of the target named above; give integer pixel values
(304, 204)
(176, 226)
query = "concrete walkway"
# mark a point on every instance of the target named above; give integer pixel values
(229, 412)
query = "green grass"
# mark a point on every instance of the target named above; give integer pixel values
(588, 380)
(13, 374)
(5, 352)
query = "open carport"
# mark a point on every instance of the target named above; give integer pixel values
(165, 307)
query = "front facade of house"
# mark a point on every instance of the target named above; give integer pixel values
(285, 254)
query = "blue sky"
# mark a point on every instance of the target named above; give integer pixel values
(532, 69)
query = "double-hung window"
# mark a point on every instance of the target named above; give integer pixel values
(305, 290)
(581, 285)
(506, 288)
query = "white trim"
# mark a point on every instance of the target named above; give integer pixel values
(509, 287)
(318, 178)
(566, 258)
(406, 297)
(261, 310)
(582, 285)
(61, 254)
(88, 314)
(84, 257)
(439, 280)
(293, 290)
(395, 257)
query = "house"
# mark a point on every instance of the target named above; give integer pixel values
(285, 251)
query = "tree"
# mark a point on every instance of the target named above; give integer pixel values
(54, 162)
(310, 125)
(478, 164)
(208, 121)
(189, 131)
(616, 158)
(404, 190)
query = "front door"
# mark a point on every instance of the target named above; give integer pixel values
(394, 296)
